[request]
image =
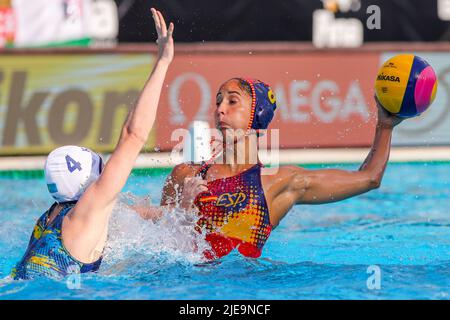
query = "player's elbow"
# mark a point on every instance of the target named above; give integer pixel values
(133, 134)
(374, 182)
(300, 182)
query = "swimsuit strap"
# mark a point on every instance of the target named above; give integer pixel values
(42, 221)
(57, 222)
(203, 169)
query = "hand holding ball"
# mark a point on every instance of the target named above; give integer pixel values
(406, 85)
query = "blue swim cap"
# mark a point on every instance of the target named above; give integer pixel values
(263, 104)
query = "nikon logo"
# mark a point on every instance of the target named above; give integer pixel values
(384, 77)
(26, 110)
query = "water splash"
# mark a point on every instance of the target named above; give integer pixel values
(170, 239)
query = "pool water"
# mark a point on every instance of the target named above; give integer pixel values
(317, 252)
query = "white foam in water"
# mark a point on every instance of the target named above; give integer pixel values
(173, 235)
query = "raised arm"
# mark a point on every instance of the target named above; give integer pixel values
(102, 193)
(330, 185)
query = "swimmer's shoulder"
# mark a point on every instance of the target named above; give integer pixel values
(185, 170)
(176, 178)
(284, 176)
(287, 179)
(290, 170)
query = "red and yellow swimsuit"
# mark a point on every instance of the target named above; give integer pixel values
(235, 214)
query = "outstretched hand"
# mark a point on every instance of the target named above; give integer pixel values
(191, 189)
(165, 40)
(386, 119)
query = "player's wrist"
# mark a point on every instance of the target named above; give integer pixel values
(163, 61)
(385, 125)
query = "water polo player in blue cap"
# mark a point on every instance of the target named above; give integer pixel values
(71, 235)
(238, 206)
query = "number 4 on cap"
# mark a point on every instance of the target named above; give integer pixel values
(72, 165)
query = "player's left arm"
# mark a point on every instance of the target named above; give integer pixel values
(331, 185)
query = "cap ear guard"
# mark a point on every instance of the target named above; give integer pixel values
(263, 104)
(97, 164)
(100, 165)
(96, 170)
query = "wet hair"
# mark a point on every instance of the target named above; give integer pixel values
(244, 86)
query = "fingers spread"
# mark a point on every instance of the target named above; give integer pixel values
(195, 184)
(200, 183)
